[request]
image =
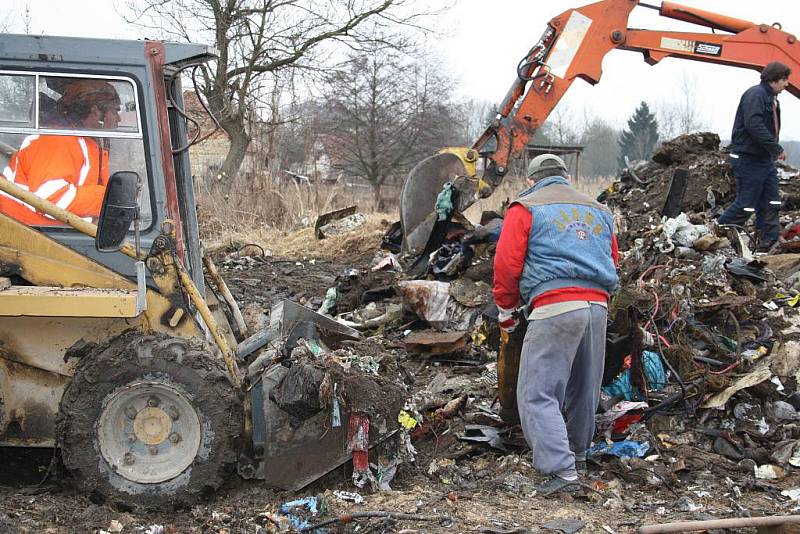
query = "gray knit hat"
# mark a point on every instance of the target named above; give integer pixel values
(546, 165)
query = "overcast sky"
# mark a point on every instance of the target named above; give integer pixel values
(488, 43)
(482, 42)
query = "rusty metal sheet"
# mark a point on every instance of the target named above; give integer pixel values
(435, 342)
(155, 56)
(508, 358)
(325, 218)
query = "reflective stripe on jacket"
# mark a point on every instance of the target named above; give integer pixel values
(69, 171)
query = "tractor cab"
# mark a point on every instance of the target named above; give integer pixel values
(83, 109)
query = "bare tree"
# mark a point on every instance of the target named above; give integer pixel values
(27, 19)
(560, 128)
(388, 111)
(681, 115)
(26, 16)
(601, 152)
(260, 38)
(667, 114)
(477, 115)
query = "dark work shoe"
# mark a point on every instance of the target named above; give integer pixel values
(581, 467)
(555, 485)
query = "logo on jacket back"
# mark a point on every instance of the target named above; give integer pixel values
(580, 223)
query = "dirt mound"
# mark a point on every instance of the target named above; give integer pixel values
(641, 193)
(686, 147)
(639, 197)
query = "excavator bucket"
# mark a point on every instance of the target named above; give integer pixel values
(424, 183)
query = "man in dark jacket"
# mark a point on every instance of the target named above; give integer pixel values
(754, 151)
(557, 255)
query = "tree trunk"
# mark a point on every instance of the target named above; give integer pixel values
(235, 156)
(376, 190)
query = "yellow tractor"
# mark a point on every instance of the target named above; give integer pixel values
(119, 354)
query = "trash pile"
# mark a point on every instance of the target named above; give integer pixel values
(700, 400)
(704, 331)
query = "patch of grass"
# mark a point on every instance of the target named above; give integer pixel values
(301, 243)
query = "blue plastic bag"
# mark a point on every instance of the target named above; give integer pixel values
(653, 372)
(311, 504)
(622, 449)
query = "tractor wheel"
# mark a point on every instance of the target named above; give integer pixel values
(151, 421)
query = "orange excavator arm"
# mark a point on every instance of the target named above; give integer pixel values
(576, 41)
(573, 46)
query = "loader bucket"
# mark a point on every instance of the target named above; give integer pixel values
(418, 196)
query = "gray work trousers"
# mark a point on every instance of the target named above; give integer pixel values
(561, 369)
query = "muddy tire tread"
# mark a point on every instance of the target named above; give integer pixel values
(127, 358)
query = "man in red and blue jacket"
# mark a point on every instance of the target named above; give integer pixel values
(557, 258)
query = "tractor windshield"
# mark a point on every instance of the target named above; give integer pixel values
(62, 137)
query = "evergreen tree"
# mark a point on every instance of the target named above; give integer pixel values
(639, 140)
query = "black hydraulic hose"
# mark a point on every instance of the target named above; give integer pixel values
(536, 58)
(182, 112)
(666, 361)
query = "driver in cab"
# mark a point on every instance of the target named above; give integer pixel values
(70, 171)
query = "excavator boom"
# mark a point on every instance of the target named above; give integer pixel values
(573, 46)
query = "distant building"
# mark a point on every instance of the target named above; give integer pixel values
(321, 163)
(325, 164)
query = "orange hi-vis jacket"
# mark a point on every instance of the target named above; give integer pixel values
(69, 171)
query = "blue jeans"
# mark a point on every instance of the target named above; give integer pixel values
(756, 192)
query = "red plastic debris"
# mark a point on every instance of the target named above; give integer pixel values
(358, 441)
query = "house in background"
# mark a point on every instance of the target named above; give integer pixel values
(321, 163)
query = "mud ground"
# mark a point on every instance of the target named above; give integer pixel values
(477, 488)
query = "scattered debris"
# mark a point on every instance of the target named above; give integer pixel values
(398, 375)
(700, 399)
(434, 342)
(567, 526)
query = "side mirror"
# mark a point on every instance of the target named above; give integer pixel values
(118, 212)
